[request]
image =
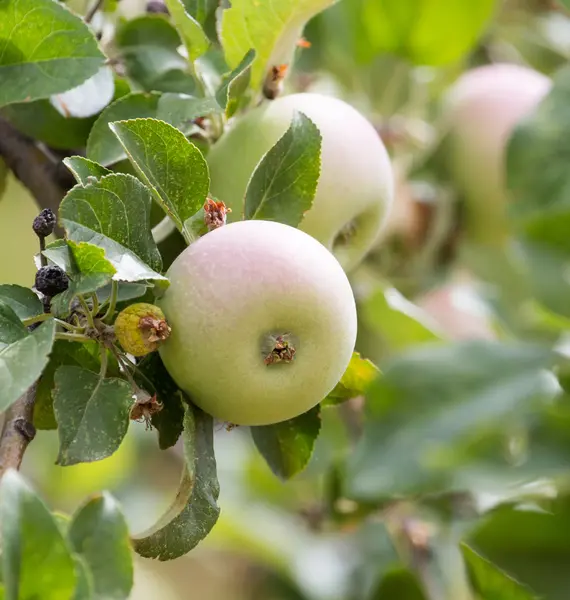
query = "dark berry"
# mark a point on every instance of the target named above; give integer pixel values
(44, 223)
(156, 6)
(51, 280)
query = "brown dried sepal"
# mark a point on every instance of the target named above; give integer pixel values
(283, 351)
(144, 408)
(273, 85)
(155, 330)
(215, 214)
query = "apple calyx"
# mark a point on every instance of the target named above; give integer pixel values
(215, 214)
(282, 350)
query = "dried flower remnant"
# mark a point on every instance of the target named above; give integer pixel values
(215, 214)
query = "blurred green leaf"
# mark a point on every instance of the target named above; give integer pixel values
(490, 582)
(59, 254)
(99, 534)
(271, 28)
(41, 121)
(288, 446)
(542, 211)
(11, 328)
(22, 362)
(23, 301)
(83, 168)
(234, 85)
(397, 322)
(283, 185)
(201, 9)
(433, 397)
(358, 376)
(194, 511)
(84, 585)
(169, 422)
(37, 562)
(149, 50)
(529, 544)
(399, 583)
(63, 353)
(92, 414)
(102, 146)
(190, 30)
(172, 166)
(427, 32)
(114, 213)
(46, 49)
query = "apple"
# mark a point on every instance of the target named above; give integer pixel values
(355, 188)
(481, 111)
(263, 322)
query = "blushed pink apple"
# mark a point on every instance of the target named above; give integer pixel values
(355, 187)
(263, 322)
(481, 111)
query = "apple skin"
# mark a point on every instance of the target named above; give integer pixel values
(356, 182)
(232, 288)
(481, 110)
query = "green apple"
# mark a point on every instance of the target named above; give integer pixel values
(355, 188)
(481, 111)
(263, 322)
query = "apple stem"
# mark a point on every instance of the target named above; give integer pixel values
(282, 351)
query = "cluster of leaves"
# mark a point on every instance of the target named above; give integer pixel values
(164, 113)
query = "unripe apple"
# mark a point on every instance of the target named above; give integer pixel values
(355, 188)
(481, 111)
(263, 322)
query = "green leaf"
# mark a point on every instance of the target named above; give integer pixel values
(201, 10)
(433, 397)
(172, 166)
(288, 446)
(37, 562)
(23, 301)
(399, 583)
(63, 353)
(41, 121)
(99, 534)
(528, 544)
(271, 28)
(169, 422)
(22, 362)
(194, 511)
(490, 582)
(426, 32)
(90, 259)
(92, 414)
(44, 49)
(180, 110)
(283, 185)
(235, 84)
(356, 380)
(59, 254)
(191, 32)
(177, 109)
(102, 146)
(11, 328)
(541, 211)
(115, 208)
(83, 168)
(148, 47)
(84, 585)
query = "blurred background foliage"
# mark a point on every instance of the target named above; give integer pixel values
(303, 540)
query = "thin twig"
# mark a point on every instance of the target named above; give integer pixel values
(31, 167)
(93, 11)
(18, 431)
